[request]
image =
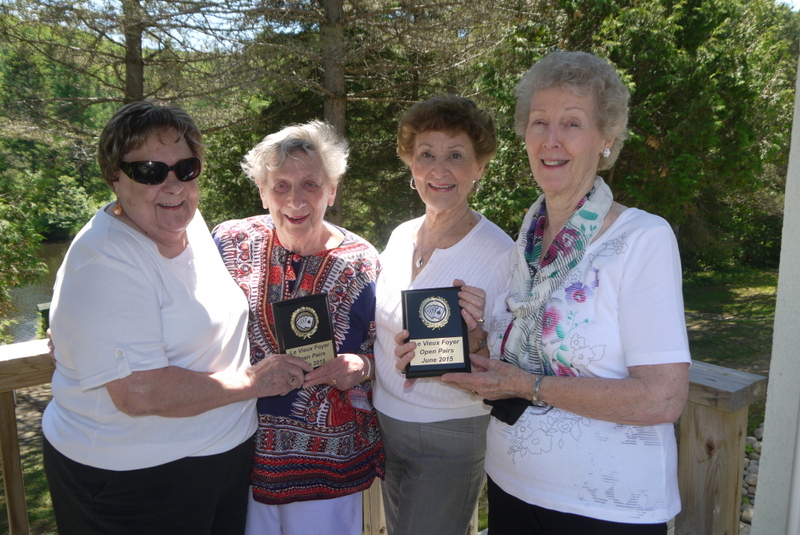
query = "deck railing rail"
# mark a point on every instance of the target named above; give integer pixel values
(712, 433)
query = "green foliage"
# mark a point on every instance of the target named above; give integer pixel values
(376, 192)
(226, 193)
(64, 207)
(18, 241)
(712, 84)
(696, 154)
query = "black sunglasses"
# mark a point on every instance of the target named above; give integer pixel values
(153, 173)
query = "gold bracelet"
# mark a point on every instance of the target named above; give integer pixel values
(481, 343)
(369, 369)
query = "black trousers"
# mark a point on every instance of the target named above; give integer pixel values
(509, 515)
(193, 495)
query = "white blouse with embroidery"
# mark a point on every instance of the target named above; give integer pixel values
(621, 306)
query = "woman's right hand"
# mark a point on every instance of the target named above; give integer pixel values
(492, 379)
(178, 392)
(404, 351)
(277, 375)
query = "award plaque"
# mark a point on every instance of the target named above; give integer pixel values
(303, 328)
(432, 316)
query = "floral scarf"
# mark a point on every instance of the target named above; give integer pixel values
(535, 278)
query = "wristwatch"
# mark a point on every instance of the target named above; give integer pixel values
(535, 401)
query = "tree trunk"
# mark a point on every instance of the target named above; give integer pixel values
(133, 27)
(335, 100)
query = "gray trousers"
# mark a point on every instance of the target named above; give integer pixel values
(434, 474)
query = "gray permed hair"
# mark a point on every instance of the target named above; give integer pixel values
(316, 139)
(584, 74)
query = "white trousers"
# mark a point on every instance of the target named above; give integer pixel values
(337, 516)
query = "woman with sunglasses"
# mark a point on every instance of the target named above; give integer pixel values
(151, 425)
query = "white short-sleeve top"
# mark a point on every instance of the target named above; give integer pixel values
(119, 307)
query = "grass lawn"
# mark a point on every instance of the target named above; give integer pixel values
(729, 318)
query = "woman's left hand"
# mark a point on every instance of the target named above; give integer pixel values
(344, 372)
(472, 301)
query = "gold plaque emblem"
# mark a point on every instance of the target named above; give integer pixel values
(434, 312)
(304, 322)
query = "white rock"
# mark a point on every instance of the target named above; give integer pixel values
(747, 514)
(751, 479)
(759, 432)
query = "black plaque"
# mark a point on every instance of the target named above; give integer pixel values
(432, 316)
(303, 328)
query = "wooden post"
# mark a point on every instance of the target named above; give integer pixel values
(713, 429)
(12, 467)
(21, 365)
(374, 517)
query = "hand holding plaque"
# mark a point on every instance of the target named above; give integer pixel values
(433, 319)
(303, 328)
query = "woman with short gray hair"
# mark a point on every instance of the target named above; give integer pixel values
(595, 356)
(318, 446)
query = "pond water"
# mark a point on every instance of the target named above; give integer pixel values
(26, 299)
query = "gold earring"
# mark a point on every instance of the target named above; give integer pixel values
(117, 209)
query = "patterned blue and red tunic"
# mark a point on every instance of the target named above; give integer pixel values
(320, 442)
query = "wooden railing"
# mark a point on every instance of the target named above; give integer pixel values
(21, 365)
(712, 432)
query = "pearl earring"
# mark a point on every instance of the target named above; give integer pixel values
(606, 152)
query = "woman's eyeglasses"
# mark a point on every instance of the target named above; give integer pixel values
(153, 173)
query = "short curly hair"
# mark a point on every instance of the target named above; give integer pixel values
(584, 74)
(452, 114)
(133, 123)
(317, 139)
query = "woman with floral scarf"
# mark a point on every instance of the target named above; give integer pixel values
(594, 353)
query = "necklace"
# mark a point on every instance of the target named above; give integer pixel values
(421, 260)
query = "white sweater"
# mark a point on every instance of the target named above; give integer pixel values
(480, 259)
